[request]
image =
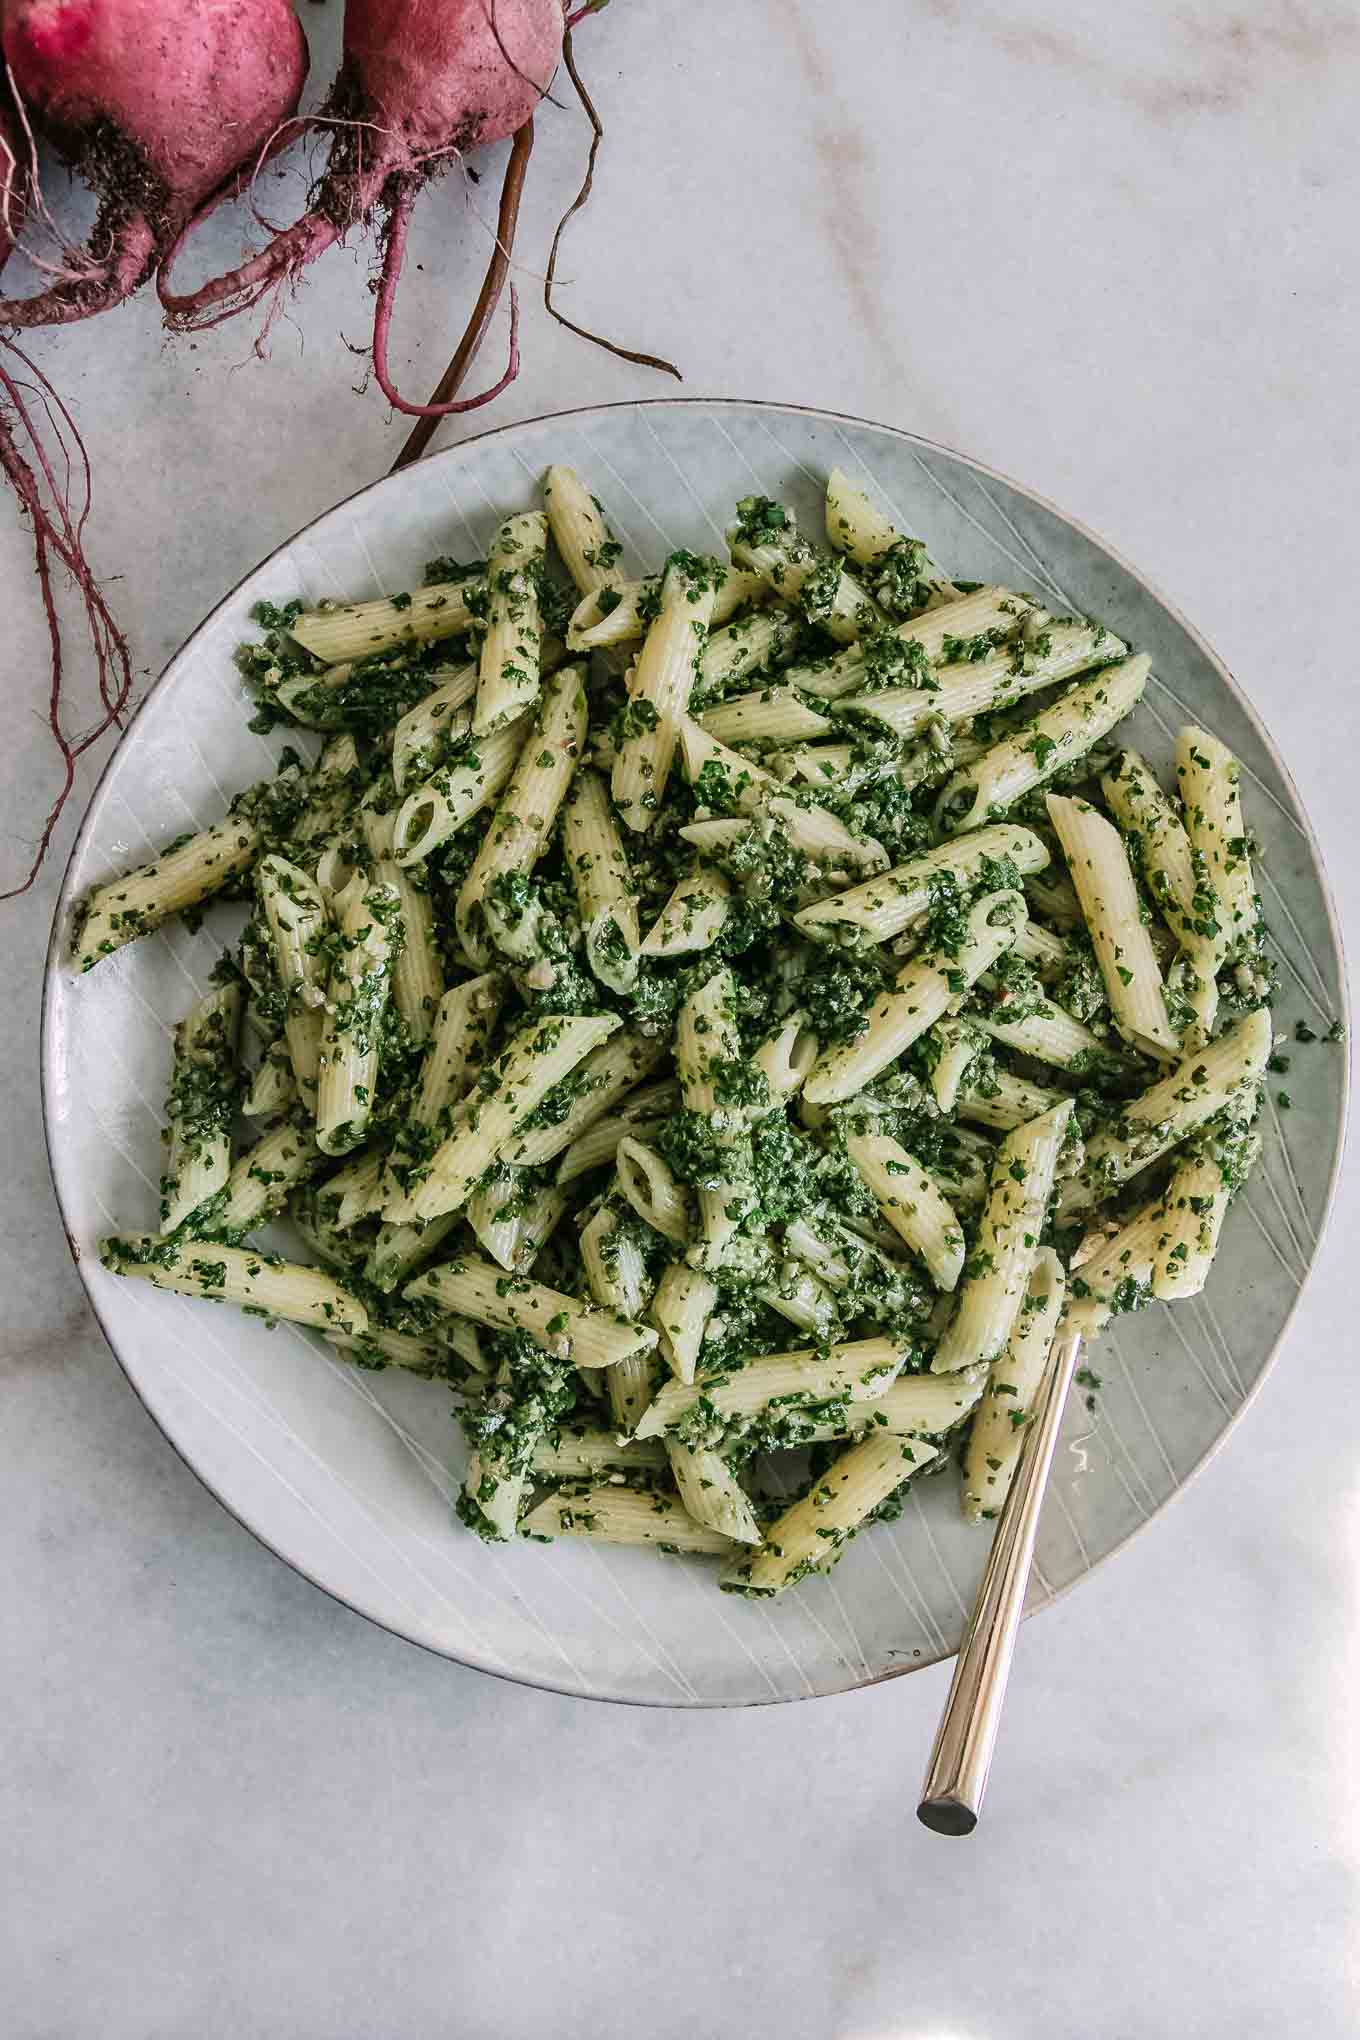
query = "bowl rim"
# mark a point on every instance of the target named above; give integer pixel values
(53, 962)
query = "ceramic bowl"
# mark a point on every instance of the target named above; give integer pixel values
(349, 1476)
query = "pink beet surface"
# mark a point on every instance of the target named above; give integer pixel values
(158, 105)
(421, 81)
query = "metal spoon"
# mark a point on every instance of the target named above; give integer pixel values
(956, 1777)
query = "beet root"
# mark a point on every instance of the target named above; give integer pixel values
(421, 82)
(13, 179)
(43, 499)
(156, 104)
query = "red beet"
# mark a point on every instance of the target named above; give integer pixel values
(421, 81)
(157, 104)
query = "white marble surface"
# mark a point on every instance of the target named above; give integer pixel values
(1111, 258)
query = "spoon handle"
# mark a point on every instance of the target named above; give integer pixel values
(956, 1777)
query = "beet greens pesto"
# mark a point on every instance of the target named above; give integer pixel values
(722, 1024)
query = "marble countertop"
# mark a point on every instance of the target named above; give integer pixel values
(1111, 257)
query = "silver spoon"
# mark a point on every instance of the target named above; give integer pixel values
(956, 1777)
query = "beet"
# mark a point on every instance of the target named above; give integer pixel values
(421, 82)
(157, 105)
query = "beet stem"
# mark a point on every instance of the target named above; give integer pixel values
(394, 254)
(488, 298)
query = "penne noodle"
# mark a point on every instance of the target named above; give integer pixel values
(562, 1325)
(509, 672)
(186, 873)
(810, 1536)
(853, 1373)
(1201, 1085)
(999, 1267)
(523, 820)
(590, 552)
(605, 897)
(646, 1183)
(1002, 1417)
(539, 1056)
(356, 630)
(261, 1283)
(1209, 779)
(477, 773)
(1104, 882)
(911, 1204)
(926, 989)
(203, 1087)
(1054, 738)
(662, 682)
(693, 917)
(622, 1515)
(368, 936)
(427, 733)
(882, 907)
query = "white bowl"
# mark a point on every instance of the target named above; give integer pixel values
(349, 1475)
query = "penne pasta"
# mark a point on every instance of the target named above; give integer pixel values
(622, 1515)
(693, 917)
(605, 898)
(509, 674)
(298, 920)
(368, 938)
(1195, 1203)
(538, 1057)
(583, 1454)
(663, 680)
(647, 1184)
(983, 686)
(927, 988)
(616, 1275)
(203, 1088)
(776, 716)
(710, 1492)
(476, 775)
(911, 1204)
(264, 1178)
(1099, 869)
(1209, 779)
(1054, 738)
(681, 1309)
(882, 907)
(185, 874)
(525, 815)
(764, 638)
(511, 1223)
(338, 631)
(1175, 876)
(261, 1283)
(998, 1270)
(810, 1536)
(429, 732)
(850, 1373)
(561, 1324)
(1004, 1413)
(590, 552)
(1201, 1085)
